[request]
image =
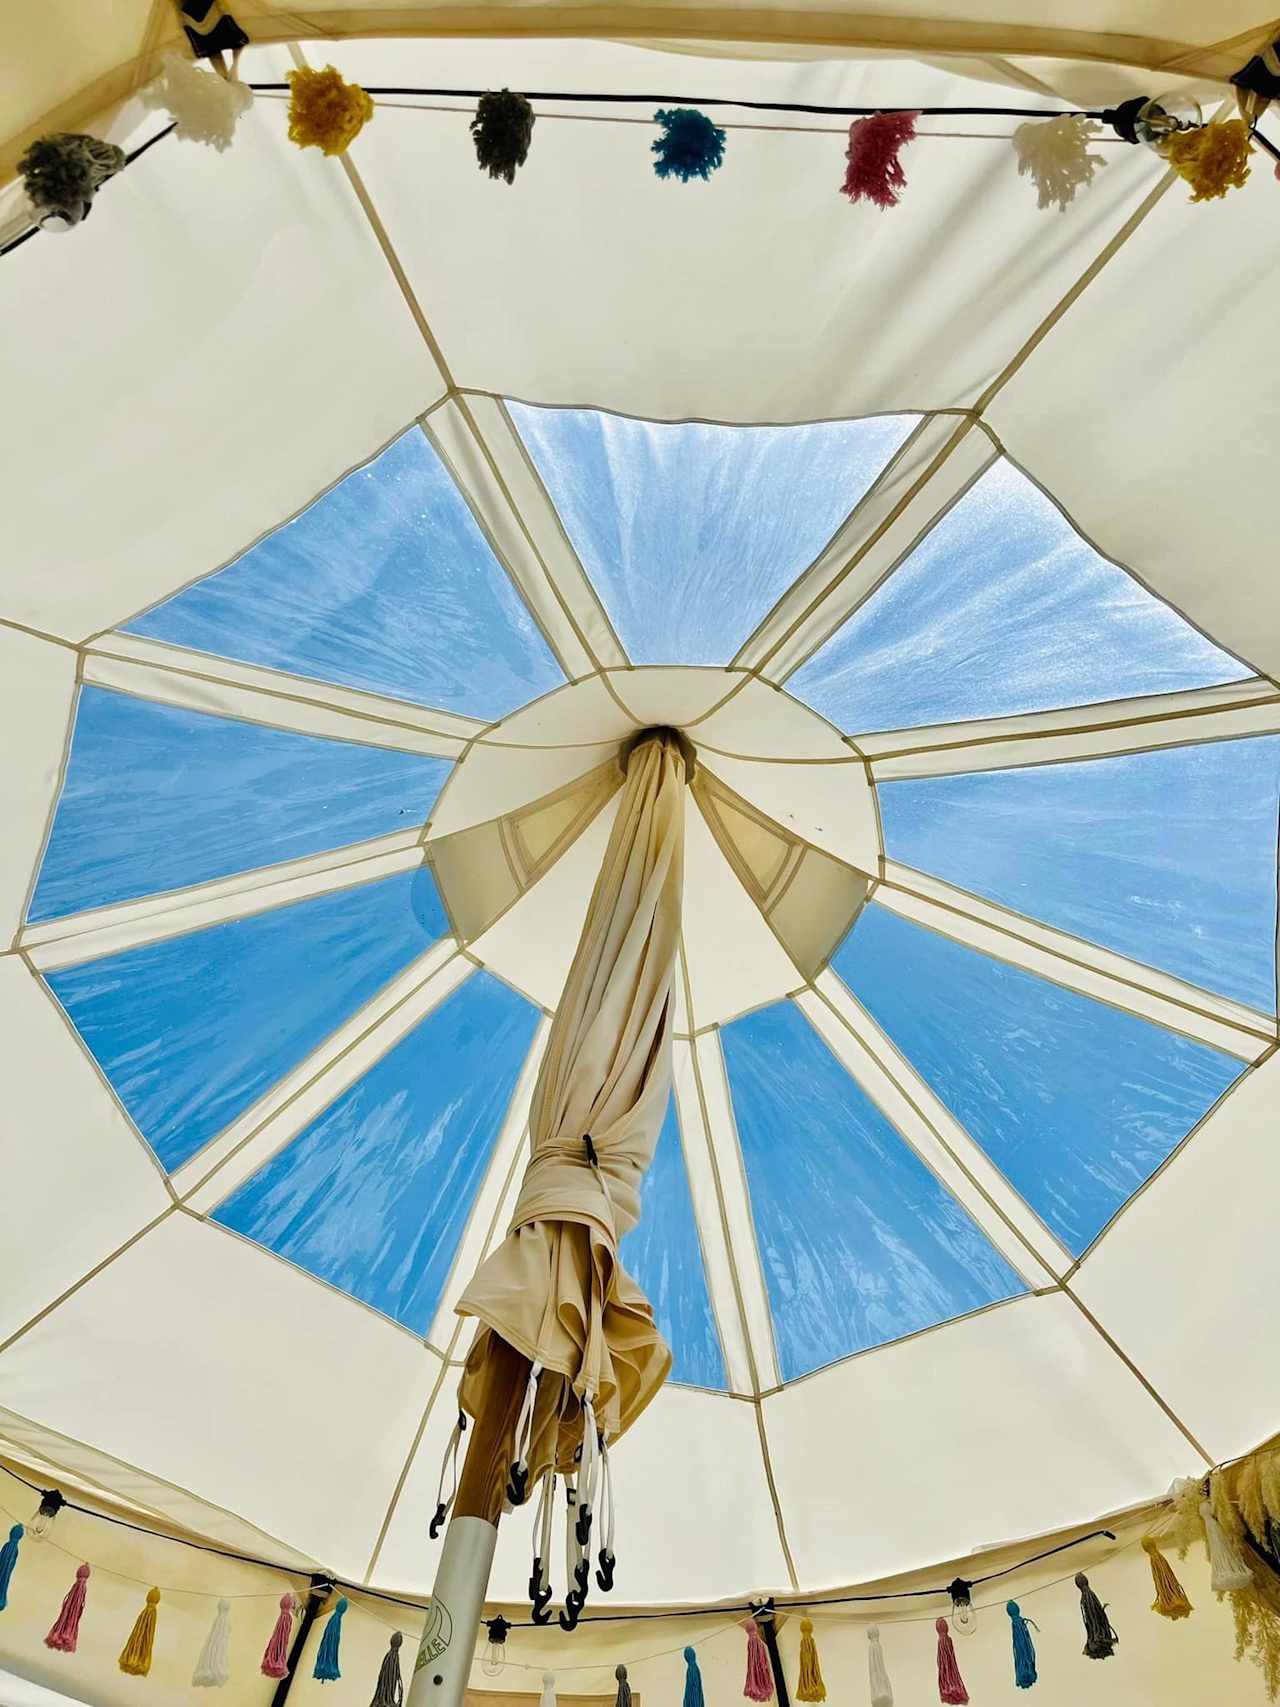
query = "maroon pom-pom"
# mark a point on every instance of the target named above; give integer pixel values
(874, 172)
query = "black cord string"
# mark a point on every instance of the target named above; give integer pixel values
(569, 96)
(528, 1623)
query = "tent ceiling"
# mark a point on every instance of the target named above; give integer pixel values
(379, 745)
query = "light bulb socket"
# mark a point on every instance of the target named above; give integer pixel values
(498, 1630)
(51, 1503)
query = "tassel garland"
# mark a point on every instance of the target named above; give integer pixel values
(326, 1668)
(1171, 1598)
(8, 1562)
(390, 1688)
(1024, 1649)
(503, 131)
(811, 1686)
(213, 1668)
(135, 1656)
(623, 1697)
(951, 1687)
(759, 1680)
(693, 1696)
(548, 1696)
(690, 145)
(275, 1661)
(874, 172)
(65, 1631)
(1212, 159)
(1055, 155)
(204, 107)
(1099, 1638)
(325, 111)
(61, 175)
(1228, 1569)
(877, 1671)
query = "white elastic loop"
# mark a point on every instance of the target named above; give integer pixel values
(524, 1426)
(572, 1551)
(590, 1458)
(606, 1495)
(542, 1527)
(450, 1460)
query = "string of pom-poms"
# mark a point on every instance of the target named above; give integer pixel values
(63, 173)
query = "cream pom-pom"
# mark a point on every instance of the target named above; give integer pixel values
(1054, 153)
(204, 107)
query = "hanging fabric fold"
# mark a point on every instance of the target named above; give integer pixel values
(554, 1290)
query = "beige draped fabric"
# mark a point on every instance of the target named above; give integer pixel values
(555, 1289)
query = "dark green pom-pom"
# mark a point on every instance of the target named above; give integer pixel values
(690, 145)
(61, 173)
(503, 129)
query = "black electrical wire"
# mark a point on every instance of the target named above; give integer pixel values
(569, 96)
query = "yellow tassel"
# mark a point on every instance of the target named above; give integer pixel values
(1212, 159)
(1171, 1598)
(325, 111)
(135, 1658)
(811, 1687)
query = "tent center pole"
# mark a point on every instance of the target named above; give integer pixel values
(442, 1669)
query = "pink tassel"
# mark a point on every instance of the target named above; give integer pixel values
(66, 1626)
(874, 172)
(759, 1684)
(275, 1662)
(951, 1687)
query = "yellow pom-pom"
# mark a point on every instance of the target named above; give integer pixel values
(325, 111)
(1212, 159)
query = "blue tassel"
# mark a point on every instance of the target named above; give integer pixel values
(8, 1562)
(1024, 1652)
(692, 1680)
(690, 145)
(326, 1666)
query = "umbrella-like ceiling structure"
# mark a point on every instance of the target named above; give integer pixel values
(360, 514)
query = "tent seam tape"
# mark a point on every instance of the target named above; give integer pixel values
(1265, 1035)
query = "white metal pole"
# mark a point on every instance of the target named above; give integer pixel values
(443, 1666)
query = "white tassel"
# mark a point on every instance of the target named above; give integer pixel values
(1054, 153)
(213, 1668)
(1227, 1567)
(881, 1688)
(548, 1696)
(203, 106)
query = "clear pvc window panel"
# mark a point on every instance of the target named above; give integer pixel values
(859, 1242)
(373, 1196)
(385, 583)
(664, 1255)
(1076, 1103)
(691, 532)
(191, 1032)
(1168, 857)
(1003, 608)
(157, 797)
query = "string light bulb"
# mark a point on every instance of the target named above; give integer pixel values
(51, 1503)
(494, 1657)
(963, 1616)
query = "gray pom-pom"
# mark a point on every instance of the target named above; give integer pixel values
(503, 131)
(61, 174)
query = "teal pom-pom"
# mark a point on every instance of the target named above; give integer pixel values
(690, 145)
(326, 1667)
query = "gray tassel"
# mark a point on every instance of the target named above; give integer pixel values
(61, 175)
(503, 130)
(624, 1688)
(1099, 1638)
(390, 1690)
